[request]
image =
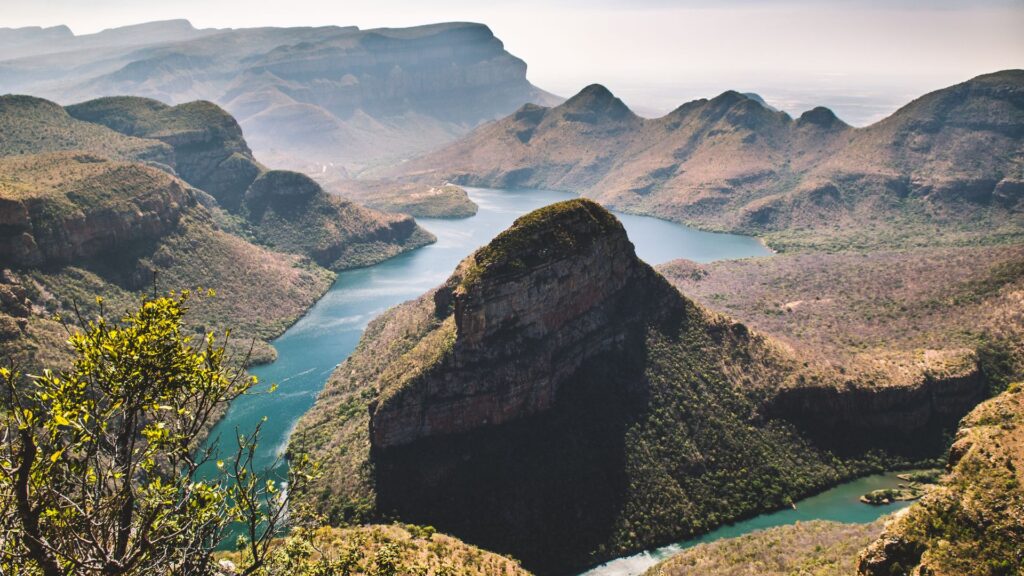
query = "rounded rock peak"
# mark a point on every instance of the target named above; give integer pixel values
(820, 116)
(596, 91)
(283, 184)
(595, 98)
(561, 230)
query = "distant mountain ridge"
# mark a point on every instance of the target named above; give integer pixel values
(734, 163)
(326, 100)
(36, 40)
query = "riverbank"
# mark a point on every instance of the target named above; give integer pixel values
(838, 504)
(329, 331)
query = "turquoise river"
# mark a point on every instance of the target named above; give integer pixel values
(310, 350)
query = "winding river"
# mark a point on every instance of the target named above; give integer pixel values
(310, 350)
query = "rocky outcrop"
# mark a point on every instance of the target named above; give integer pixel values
(285, 210)
(909, 419)
(558, 400)
(529, 310)
(289, 211)
(15, 309)
(76, 219)
(973, 522)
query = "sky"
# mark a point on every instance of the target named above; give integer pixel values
(863, 58)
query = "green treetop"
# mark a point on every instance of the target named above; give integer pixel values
(98, 463)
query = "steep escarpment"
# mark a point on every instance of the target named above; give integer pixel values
(284, 210)
(288, 211)
(558, 400)
(946, 168)
(57, 208)
(326, 100)
(908, 336)
(974, 522)
(76, 226)
(584, 265)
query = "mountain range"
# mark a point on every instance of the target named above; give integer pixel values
(117, 196)
(556, 398)
(328, 100)
(946, 168)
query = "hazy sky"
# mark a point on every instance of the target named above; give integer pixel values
(863, 57)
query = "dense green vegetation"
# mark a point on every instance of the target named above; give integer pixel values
(32, 125)
(98, 469)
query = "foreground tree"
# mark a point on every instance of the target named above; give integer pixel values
(99, 472)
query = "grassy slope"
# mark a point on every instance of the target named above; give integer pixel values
(260, 293)
(289, 212)
(974, 522)
(815, 548)
(73, 183)
(147, 118)
(887, 317)
(31, 125)
(418, 200)
(79, 198)
(373, 550)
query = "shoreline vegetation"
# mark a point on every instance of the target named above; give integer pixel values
(918, 483)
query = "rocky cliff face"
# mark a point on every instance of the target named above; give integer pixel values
(558, 400)
(910, 419)
(973, 523)
(282, 209)
(524, 322)
(104, 201)
(50, 219)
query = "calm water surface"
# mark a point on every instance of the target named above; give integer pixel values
(310, 350)
(840, 504)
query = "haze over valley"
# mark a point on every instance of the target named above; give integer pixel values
(596, 289)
